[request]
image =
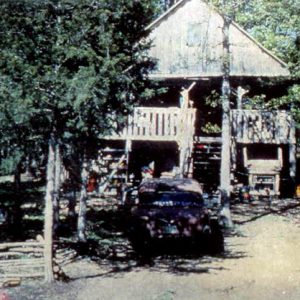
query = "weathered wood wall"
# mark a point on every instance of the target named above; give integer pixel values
(268, 127)
(187, 42)
(159, 124)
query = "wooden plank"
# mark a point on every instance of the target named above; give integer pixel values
(239, 125)
(26, 250)
(209, 140)
(20, 244)
(147, 123)
(192, 122)
(173, 118)
(25, 275)
(128, 131)
(246, 119)
(159, 123)
(22, 261)
(166, 123)
(11, 253)
(293, 160)
(30, 266)
(135, 123)
(150, 120)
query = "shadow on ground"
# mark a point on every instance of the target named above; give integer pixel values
(108, 246)
(123, 259)
(248, 212)
(112, 252)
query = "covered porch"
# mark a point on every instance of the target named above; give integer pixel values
(161, 125)
(264, 150)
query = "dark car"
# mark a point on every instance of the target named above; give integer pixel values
(172, 209)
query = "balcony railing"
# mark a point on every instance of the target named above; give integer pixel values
(257, 126)
(159, 124)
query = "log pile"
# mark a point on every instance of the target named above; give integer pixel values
(20, 260)
(62, 257)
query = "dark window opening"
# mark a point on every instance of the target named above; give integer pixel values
(262, 152)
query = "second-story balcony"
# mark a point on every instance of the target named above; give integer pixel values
(177, 124)
(261, 126)
(159, 124)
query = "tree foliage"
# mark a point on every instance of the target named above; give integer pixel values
(276, 25)
(70, 71)
(73, 67)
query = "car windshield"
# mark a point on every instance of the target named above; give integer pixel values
(171, 198)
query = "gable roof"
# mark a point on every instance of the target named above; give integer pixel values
(187, 42)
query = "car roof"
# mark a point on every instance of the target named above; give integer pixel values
(170, 184)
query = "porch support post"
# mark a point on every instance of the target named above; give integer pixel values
(128, 146)
(240, 92)
(226, 128)
(226, 138)
(292, 158)
(185, 130)
(292, 150)
(181, 158)
(233, 149)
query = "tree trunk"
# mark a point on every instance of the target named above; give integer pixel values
(57, 185)
(72, 204)
(81, 225)
(16, 215)
(226, 129)
(17, 177)
(48, 225)
(74, 174)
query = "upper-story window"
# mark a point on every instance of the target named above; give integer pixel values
(194, 36)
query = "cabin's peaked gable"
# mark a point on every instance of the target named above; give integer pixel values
(187, 42)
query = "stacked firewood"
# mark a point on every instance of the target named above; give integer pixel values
(20, 260)
(62, 257)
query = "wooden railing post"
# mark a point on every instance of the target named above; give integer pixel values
(158, 124)
(258, 126)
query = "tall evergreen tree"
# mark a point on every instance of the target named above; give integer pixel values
(81, 65)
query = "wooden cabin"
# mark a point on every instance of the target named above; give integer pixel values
(169, 134)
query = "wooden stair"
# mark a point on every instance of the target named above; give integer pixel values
(113, 171)
(207, 161)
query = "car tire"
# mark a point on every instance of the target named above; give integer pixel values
(216, 239)
(140, 246)
(140, 241)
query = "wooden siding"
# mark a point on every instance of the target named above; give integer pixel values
(159, 124)
(268, 127)
(187, 42)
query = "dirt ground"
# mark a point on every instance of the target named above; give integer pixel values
(262, 261)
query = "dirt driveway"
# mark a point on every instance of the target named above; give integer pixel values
(262, 261)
